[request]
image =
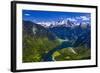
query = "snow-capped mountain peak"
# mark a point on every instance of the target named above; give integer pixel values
(65, 23)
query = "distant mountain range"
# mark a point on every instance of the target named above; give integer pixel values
(64, 23)
(69, 31)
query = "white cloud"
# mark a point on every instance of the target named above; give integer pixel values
(84, 18)
(78, 17)
(27, 14)
(72, 19)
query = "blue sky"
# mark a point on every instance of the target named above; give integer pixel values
(48, 16)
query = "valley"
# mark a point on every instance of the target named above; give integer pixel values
(58, 43)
